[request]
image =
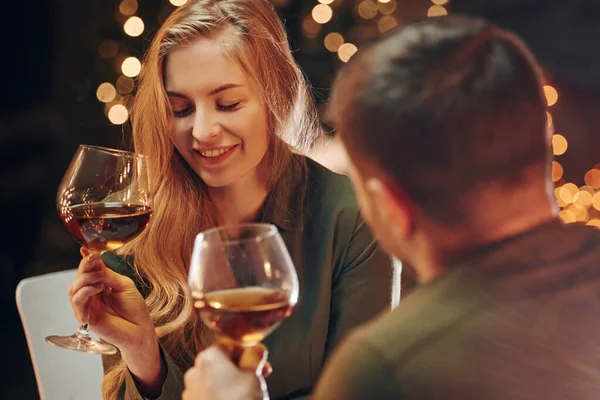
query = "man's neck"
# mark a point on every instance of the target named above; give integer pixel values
(443, 246)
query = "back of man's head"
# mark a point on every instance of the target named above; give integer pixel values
(444, 108)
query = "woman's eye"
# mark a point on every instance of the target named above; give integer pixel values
(228, 107)
(181, 112)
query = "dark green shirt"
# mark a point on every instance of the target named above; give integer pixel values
(518, 320)
(345, 279)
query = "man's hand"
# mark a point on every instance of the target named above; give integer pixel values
(215, 376)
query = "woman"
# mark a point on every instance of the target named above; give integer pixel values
(220, 106)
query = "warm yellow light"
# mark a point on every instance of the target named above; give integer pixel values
(386, 23)
(559, 144)
(384, 1)
(125, 84)
(178, 3)
(333, 41)
(439, 2)
(557, 171)
(118, 114)
(549, 119)
(596, 201)
(325, 1)
(346, 51)
(571, 187)
(322, 13)
(592, 178)
(594, 223)
(106, 92)
(567, 216)
(559, 200)
(551, 95)
(436, 11)
(367, 9)
(128, 7)
(131, 67)
(134, 26)
(584, 198)
(588, 189)
(387, 8)
(310, 27)
(581, 213)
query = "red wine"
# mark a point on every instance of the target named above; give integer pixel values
(105, 226)
(247, 314)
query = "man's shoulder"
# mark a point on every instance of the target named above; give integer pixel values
(328, 188)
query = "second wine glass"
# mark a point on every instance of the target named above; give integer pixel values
(243, 281)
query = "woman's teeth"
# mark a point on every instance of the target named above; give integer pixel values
(214, 153)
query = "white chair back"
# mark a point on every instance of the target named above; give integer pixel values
(44, 307)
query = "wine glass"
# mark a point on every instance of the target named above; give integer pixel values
(103, 201)
(243, 281)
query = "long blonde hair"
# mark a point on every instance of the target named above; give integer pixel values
(182, 207)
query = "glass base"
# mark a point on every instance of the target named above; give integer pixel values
(83, 344)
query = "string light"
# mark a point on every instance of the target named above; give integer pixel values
(333, 41)
(557, 171)
(128, 7)
(367, 9)
(551, 95)
(322, 13)
(134, 26)
(592, 178)
(118, 114)
(310, 27)
(106, 92)
(384, 1)
(386, 23)
(326, 2)
(178, 3)
(436, 11)
(439, 2)
(131, 67)
(346, 51)
(387, 8)
(559, 145)
(125, 84)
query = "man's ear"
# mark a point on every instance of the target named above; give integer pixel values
(393, 206)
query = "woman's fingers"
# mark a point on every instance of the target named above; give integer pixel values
(80, 301)
(86, 279)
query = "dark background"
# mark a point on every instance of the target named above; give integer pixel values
(51, 68)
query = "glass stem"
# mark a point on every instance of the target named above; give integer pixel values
(83, 332)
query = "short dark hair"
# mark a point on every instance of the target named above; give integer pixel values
(444, 106)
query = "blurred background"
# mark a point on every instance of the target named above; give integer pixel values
(69, 70)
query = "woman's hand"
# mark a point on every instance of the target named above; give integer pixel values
(116, 311)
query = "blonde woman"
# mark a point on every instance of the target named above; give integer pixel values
(223, 112)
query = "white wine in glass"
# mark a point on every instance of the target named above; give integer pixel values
(243, 281)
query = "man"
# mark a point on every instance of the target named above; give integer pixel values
(445, 125)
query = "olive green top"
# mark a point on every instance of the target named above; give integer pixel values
(345, 279)
(516, 320)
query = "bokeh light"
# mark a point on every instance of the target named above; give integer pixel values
(549, 119)
(322, 13)
(333, 41)
(131, 67)
(367, 9)
(346, 51)
(596, 201)
(128, 7)
(125, 84)
(108, 48)
(592, 178)
(436, 11)
(557, 171)
(386, 23)
(559, 144)
(325, 1)
(551, 95)
(178, 3)
(387, 7)
(134, 26)
(106, 92)
(567, 216)
(310, 27)
(584, 198)
(440, 2)
(118, 114)
(594, 223)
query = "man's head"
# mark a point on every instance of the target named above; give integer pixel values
(442, 120)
